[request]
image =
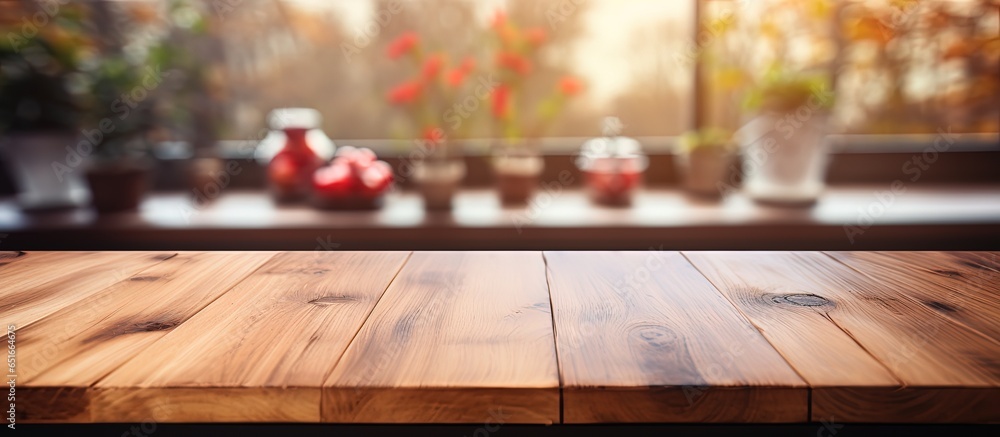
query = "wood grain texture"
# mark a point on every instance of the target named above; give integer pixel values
(83, 342)
(262, 350)
(505, 337)
(906, 405)
(918, 346)
(962, 286)
(10, 256)
(793, 318)
(460, 336)
(643, 337)
(33, 290)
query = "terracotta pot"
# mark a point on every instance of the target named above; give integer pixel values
(706, 169)
(117, 188)
(517, 177)
(438, 181)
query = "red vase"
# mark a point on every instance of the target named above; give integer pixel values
(290, 171)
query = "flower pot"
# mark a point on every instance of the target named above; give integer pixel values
(517, 177)
(705, 169)
(45, 167)
(784, 163)
(438, 180)
(117, 187)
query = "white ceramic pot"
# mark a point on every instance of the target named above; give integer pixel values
(784, 157)
(47, 168)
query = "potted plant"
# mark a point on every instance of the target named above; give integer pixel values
(784, 150)
(517, 161)
(41, 109)
(121, 115)
(437, 166)
(703, 160)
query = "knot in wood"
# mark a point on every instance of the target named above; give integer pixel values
(800, 299)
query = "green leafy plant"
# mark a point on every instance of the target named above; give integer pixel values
(41, 84)
(783, 92)
(121, 106)
(709, 137)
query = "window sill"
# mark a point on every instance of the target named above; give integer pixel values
(923, 218)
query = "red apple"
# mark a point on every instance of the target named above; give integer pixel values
(345, 151)
(335, 180)
(363, 158)
(376, 178)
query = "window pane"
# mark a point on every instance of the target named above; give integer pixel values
(897, 66)
(332, 55)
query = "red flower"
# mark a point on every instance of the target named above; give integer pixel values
(468, 64)
(433, 135)
(402, 45)
(514, 62)
(535, 36)
(570, 86)
(509, 36)
(455, 77)
(499, 19)
(432, 67)
(501, 102)
(407, 92)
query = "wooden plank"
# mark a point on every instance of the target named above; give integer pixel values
(457, 338)
(83, 342)
(963, 286)
(9, 256)
(921, 349)
(33, 290)
(261, 351)
(35, 257)
(643, 337)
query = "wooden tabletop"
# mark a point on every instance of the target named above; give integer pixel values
(505, 337)
(859, 217)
